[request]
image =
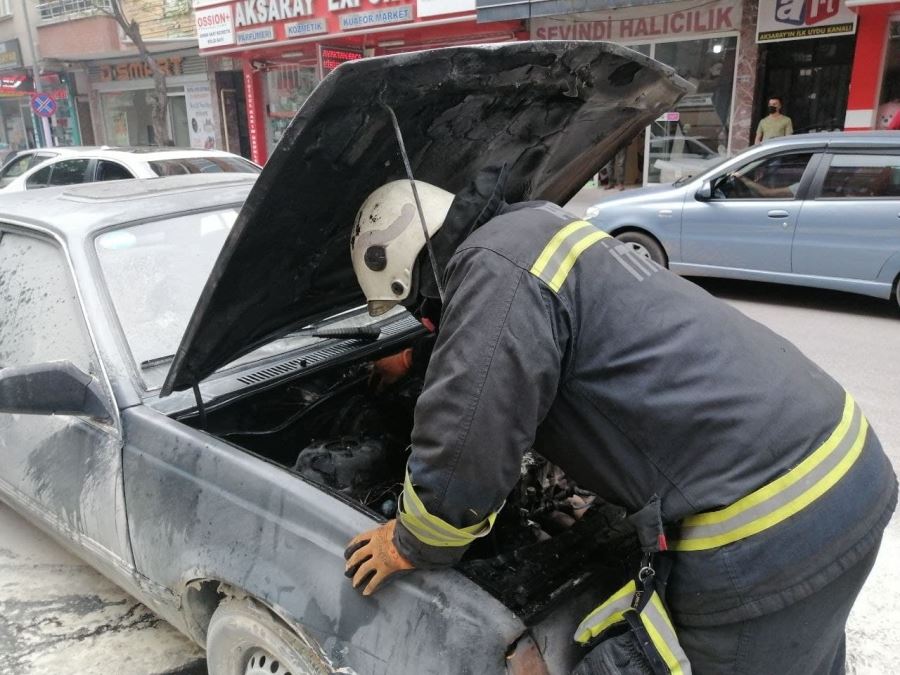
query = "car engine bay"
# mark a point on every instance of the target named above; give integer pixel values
(347, 430)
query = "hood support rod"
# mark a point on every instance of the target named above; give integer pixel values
(412, 182)
(201, 409)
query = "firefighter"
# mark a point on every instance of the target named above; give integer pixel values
(743, 465)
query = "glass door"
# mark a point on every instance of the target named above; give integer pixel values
(695, 134)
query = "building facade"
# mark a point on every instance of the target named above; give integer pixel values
(111, 87)
(737, 53)
(267, 57)
(875, 83)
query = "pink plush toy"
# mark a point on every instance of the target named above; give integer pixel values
(888, 116)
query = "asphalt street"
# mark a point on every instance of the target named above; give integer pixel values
(58, 616)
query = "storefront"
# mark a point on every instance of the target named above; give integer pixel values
(875, 82)
(700, 40)
(17, 128)
(122, 95)
(285, 48)
(806, 57)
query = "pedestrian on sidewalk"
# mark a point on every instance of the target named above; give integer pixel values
(775, 124)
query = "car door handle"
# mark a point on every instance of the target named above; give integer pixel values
(778, 214)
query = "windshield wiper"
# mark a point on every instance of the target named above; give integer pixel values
(346, 332)
(158, 361)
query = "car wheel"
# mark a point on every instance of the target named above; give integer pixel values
(244, 638)
(645, 245)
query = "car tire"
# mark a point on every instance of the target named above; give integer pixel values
(645, 245)
(244, 638)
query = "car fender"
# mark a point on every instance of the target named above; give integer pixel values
(890, 271)
(202, 510)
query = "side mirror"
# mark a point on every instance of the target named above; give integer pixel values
(705, 192)
(52, 388)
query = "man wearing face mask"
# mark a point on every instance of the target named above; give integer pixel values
(774, 124)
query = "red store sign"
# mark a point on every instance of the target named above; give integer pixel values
(256, 22)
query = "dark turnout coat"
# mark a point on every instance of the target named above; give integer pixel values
(637, 383)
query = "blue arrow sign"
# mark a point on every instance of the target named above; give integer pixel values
(43, 105)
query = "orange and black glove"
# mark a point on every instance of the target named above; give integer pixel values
(372, 558)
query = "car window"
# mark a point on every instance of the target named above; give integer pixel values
(39, 157)
(862, 176)
(767, 178)
(69, 172)
(176, 167)
(15, 168)
(112, 171)
(40, 316)
(39, 179)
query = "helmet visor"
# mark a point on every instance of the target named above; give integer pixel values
(379, 307)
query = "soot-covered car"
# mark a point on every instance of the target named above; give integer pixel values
(187, 395)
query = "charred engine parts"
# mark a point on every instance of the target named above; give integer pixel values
(358, 467)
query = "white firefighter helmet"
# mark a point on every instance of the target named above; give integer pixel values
(387, 238)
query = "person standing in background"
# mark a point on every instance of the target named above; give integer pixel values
(774, 124)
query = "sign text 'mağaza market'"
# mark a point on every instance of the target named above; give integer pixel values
(139, 70)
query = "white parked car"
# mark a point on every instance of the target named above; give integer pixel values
(68, 166)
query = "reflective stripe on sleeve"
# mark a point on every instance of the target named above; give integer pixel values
(785, 496)
(561, 253)
(432, 530)
(659, 627)
(605, 615)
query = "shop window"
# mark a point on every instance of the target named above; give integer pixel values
(128, 121)
(862, 176)
(694, 135)
(287, 87)
(889, 108)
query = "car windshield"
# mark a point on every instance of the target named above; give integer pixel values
(155, 272)
(706, 169)
(183, 165)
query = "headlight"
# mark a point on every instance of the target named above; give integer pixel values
(592, 211)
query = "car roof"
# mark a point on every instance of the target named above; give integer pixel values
(75, 212)
(839, 138)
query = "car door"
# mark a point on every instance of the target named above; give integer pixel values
(748, 222)
(65, 469)
(851, 225)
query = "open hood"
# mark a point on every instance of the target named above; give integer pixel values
(554, 112)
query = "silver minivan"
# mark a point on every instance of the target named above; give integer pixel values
(811, 210)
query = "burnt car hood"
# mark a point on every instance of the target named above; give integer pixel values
(554, 112)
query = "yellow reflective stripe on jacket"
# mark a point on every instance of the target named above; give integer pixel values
(561, 253)
(432, 530)
(654, 618)
(782, 498)
(605, 615)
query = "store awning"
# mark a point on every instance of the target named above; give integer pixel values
(503, 10)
